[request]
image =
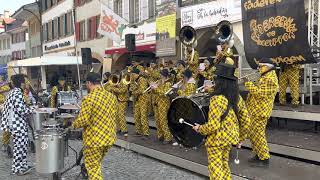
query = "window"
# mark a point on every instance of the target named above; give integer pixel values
(118, 7)
(1, 44)
(55, 28)
(49, 31)
(62, 26)
(4, 44)
(90, 30)
(45, 32)
(134, 11)
(82, 30)
(152, 8)
(8, 43)
(69, 24)
(97, 26)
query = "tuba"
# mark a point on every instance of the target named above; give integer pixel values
(188, 35)
(224, 31)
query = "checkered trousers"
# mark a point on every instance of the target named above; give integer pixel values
(20, 149)
(218, 163)
(93, 157)
(290, 76)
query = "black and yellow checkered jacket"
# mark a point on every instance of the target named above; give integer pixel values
(261, 95)
(230, 130)
(194, 63)
(97, 116)
(3, 89)
(121, 91)
(54, 92)
(190, 88)
(137, 93)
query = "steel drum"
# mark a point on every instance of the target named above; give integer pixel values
(39, 116)
(193, 109)
(50, 150)
(52, 124)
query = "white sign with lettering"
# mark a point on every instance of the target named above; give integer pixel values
(210, 14)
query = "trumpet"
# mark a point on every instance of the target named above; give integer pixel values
(114, 79)
(170, 90)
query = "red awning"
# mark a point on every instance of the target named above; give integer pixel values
(148, 47)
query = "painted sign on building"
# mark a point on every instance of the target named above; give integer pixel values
(210, 14)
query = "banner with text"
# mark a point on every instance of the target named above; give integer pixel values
(211, 13)
(111, 24)
(277, 30)
(166, 28)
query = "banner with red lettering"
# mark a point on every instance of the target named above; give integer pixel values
(111, 24)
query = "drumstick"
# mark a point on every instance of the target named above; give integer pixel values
(236, 160)
(181, 121)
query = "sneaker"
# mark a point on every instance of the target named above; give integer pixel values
(24, 171)
(256, 162)
(175, 144)
(125, 134)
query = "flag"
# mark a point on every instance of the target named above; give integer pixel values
(111, 24)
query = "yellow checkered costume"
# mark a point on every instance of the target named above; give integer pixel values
(193, 63)
(222, 133)
(155, 75)
(289, 76)
(163, 104)
(97, 118)
(54, 93)
(140, 108)
(121, 91)
(260, 104)
(190, 88)
(6, 135)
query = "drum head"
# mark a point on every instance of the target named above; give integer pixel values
(192, 112)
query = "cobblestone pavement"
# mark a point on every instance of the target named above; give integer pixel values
(119, 164)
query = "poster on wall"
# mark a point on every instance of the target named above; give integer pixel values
(276, 30)
(166, 28)
(211, 13)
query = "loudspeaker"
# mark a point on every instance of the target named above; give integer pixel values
(130, 42)
(86, 56)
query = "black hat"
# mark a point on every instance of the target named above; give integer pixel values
(165, 72)
(135, 70)
(210, 59)
(226, 71)
(93, 77)
(187, 73)
(182, 63)
(62, 78)
(266, 61)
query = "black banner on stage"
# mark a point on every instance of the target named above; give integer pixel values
(275, 29)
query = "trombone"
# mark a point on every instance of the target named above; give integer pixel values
(170, 90)
(255, 75)
(149, 88)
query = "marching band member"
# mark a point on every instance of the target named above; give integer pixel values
(140, 103)
(192, 59)
(121, 92)
(189, 84)
(289, 74)
(60, 87)
(97, 118)
(163, 104)
(181, 65)
(106, 76)
(4, 88)
(260, 103)
(14, 121)
(155, 76)
(228, 122)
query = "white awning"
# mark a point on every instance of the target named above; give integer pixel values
(46, 61)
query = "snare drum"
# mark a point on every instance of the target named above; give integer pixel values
(50, 150)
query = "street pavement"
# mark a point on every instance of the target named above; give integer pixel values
(119, 164)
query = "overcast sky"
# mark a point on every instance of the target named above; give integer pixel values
(13, 5)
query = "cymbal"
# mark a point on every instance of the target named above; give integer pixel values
(69, 107)
(65, 116)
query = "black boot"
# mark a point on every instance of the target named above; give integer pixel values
(256, 162)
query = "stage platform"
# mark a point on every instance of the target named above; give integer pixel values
(195, 160)
(291, 132)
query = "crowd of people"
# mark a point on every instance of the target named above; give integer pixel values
(231, 119)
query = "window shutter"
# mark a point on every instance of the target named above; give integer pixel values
(77, 31)
(94, 27)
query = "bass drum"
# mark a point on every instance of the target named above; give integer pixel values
(193, 109)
